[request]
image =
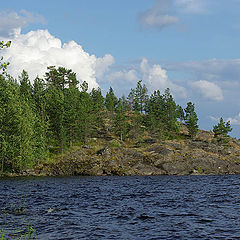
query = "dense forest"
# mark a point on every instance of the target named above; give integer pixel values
(46, 116)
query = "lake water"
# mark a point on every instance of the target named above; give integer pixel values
(161, 207)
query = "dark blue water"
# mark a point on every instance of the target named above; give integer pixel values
(163, 207)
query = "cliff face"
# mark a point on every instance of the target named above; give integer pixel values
(150, 157)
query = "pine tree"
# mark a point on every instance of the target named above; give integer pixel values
(17, 128)
(42, 122)
(180, 113)
(86, 113)
(169, 111)
(191, 119)
(110, 100)
(55, 113)
(26, 89)
(120, 120)
(71, 114)
(221, 130)
(140, 97)
(98, 110)
(154, 111)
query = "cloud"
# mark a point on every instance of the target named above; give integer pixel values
(123, 76)
(156, 78)
(214, 119)
(11, 22)
(210, 70)
(208, 89)
(37, 50)
(158, 16)
(191, 6)
(235, 120)
(103, 65)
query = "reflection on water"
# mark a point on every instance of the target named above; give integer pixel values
(163, 207)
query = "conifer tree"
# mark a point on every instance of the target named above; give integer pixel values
(26, 88)
(55, 112)
(120, 120)
(180, 113)
(42, 120)
(86, 113)
(17, 129)
(140, 97)
(110, 100)
(98, 110)
(155, 111)
(221, 130)
(71, 114)
(191, 119)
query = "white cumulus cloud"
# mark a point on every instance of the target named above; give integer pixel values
(123, 76)
(37, 50)
(208, 89)
(157, 78)
(11, 22)
(235, 120)
(158, 16)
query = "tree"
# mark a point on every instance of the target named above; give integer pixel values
(86, 113)
(120, 120)
(130, 99)
(25, 86)
(154, 111)
(61, 77)
(169, 111)
(3, 66)
(140, 97)
(42, 120)
(180, 113)
(71, 114)
(55, 113)
(221, 130)
(16, 128)
(191, 119)
(98, 110)
(110, 100)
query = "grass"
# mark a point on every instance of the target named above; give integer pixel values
(13, 229)
(25, 233)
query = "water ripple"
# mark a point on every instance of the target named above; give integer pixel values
(164, 207)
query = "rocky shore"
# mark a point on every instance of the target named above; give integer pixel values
(147, 157)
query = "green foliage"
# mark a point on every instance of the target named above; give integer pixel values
(53, 114)
(27, 232)
(111, 100)
(26, 88)
(19, 229)
(162, 114)
(191, 119)
(121, 125)
(138, 97)
(3, 65)
(16, 128)
(180, 113)
(61, 77)
(221, 131)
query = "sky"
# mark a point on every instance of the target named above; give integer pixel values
(189, 46)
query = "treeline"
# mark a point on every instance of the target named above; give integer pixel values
(53, 113)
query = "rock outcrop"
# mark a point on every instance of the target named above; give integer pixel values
(172, 157)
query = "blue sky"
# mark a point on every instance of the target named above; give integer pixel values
(190, 46)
